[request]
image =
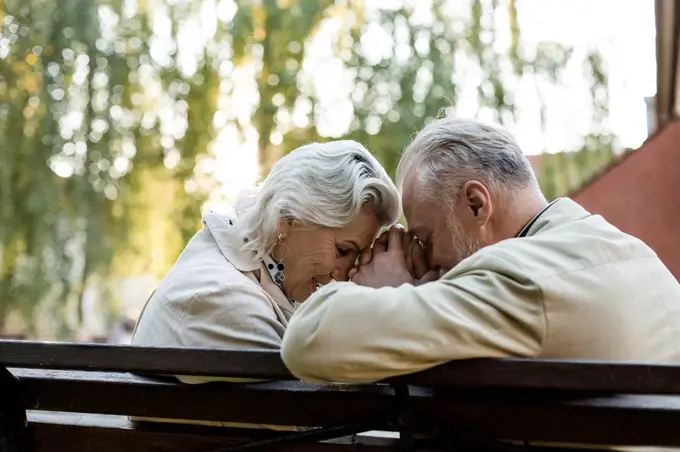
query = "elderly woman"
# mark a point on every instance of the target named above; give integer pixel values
(240, 278)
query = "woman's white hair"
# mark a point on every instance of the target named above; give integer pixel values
(319, 184)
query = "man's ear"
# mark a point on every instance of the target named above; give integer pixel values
(477, 198)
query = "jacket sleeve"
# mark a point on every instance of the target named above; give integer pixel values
(235, 316)
(354, 334)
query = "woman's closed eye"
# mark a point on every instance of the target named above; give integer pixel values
(344, 252)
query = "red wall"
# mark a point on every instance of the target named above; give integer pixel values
(641, 195)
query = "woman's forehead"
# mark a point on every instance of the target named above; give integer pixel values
(362, 230)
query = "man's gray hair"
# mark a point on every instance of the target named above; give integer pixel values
(319, 184)
(451, 151)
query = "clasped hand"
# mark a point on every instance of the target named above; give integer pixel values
(396, 258)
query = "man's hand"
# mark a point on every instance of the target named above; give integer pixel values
(394, 243)
(388, 265)
(416, 262)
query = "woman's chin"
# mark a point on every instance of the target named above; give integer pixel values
(302, 294)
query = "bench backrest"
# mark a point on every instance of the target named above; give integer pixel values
(79, 396)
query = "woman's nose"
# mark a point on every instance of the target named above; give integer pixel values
(341, 274)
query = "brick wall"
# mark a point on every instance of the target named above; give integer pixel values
(641, 195)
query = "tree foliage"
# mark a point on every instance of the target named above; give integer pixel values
(110, 111)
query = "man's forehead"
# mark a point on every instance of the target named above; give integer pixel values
(409, 190)
(417, 208)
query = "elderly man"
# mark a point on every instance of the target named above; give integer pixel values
(515, 276)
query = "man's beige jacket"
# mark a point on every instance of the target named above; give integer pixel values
(574, 287)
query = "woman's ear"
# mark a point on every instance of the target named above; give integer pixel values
(285, 226)
(288, 225)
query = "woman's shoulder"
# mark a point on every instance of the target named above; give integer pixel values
(236, 317)
(207, 294)
(211, 305)
(206, 265)
(210, 279)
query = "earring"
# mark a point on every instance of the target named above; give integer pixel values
(279, 276)
(277, 247)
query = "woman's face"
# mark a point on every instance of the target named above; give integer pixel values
(320, 254)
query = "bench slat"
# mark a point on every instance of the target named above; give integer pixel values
(544, 374)
(615, 420)
(264, 364)
(625, 419)
(69, 432)
(611, 377)
(278, 403)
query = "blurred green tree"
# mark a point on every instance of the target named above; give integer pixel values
(565, 172)
(109, 112)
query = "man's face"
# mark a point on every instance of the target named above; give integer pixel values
(447, 233)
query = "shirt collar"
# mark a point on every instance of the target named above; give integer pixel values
(558, 212)
(229, 241)
(525, 230)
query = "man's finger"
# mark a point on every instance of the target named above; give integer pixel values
(365, 257)
(420, 266)
(406, 242)
(383, 236)
(381, 242)
(352, 271)
(430, 276)
(394, 239)
(409, 259)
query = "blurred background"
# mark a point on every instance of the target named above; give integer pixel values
(122, 120)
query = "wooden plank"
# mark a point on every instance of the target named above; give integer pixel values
(610, 377)
(57, 432)
(667, 15)
(515, 415)
(287, 403)
(150, 360)
(626, 420)
(552, 375)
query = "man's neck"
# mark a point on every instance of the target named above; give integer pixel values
(519, 210)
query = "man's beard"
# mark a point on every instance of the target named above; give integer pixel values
(463, 245)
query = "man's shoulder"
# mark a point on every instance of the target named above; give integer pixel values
(573, 247)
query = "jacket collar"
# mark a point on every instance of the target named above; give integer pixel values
(559, 212)
(230, 242)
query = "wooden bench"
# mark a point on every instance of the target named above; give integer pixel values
(77, 397)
